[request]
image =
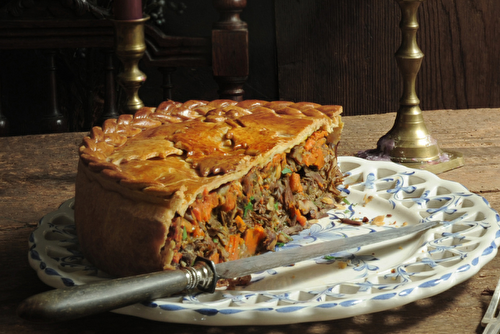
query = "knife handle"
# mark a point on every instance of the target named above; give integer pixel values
(83, 300)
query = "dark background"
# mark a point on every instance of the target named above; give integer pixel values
(329, 52)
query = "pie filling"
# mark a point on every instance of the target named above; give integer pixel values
(261, 210)
(222, 180)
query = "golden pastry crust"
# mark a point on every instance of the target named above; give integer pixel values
(136, 173)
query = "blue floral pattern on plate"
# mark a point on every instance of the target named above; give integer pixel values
(379, 195)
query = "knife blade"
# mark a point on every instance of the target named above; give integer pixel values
(84, 300)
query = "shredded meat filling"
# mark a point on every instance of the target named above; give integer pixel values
(261, 210)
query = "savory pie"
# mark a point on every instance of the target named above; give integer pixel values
(221, 180)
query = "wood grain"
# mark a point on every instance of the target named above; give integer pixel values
(37, 174)
(343, 52)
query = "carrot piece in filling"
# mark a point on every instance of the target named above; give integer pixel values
(313, 155)
(240, 224)
(253, 237)
(233, 247)
(300, 218)
(198, 232)
(311, 141)
(314, 158)
(309, 144)
(214, 258)
(177, 258)
(202, 208)
(295, 183)
(229, 202)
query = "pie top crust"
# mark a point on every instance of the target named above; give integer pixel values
(137, 172)
(170, 154)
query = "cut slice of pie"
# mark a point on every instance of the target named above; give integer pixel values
(221, 180)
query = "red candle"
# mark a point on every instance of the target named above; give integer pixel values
(127, 9)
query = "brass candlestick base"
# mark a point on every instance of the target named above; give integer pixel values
(130, 47)
(409, 142)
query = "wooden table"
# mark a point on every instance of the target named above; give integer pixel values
(37, 174)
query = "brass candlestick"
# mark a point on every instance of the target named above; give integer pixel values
(409, 142)
(130, 47)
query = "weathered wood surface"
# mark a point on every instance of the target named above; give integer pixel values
(343, 52)
(37, 174)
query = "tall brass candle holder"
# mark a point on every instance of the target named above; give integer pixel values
(130, 47)
(409, 142)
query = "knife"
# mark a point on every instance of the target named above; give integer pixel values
(83, 300)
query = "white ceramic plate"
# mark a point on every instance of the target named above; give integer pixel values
(337, 286)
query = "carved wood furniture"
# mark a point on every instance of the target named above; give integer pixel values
(53, 24)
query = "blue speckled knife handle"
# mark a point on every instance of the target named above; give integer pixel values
(83, 300)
